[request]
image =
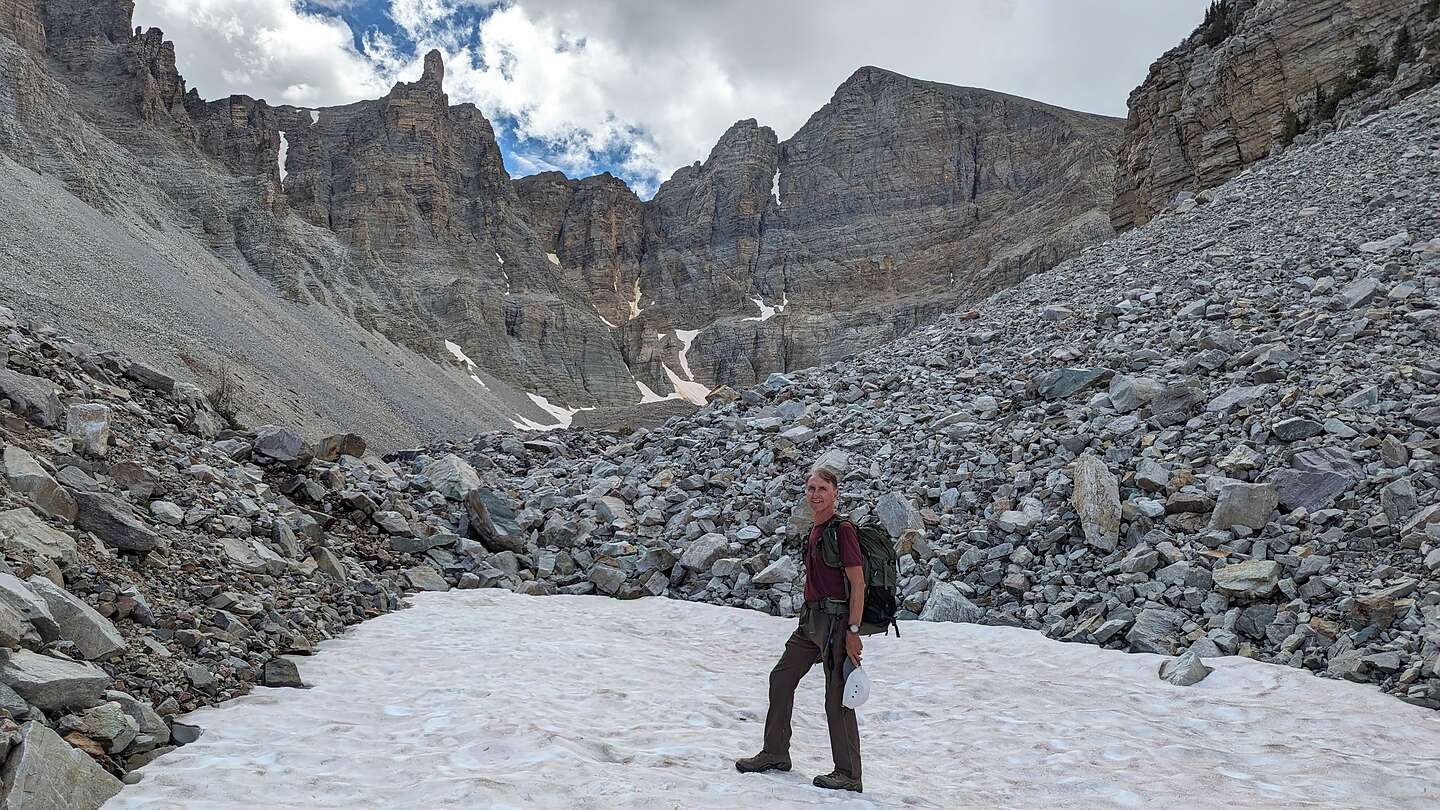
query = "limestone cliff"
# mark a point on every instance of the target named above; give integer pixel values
(1258, 74)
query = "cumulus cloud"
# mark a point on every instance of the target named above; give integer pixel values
(265, 48)
(644, 88)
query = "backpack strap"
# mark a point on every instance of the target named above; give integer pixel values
(830, 541)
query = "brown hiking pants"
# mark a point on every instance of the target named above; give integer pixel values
(805, 648)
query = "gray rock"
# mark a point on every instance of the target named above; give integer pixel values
(150, 377)
(703, 551)
(88, 423)
(106, 723)
(1296, 429)
(1186, 670)
(1175, 404)
(167, 513)
(331, 448)
(1156, 630)
(1247, 580)
(393, 523)
(781, 570)
(492, 521)
(112, 520)
(451, 476)
(22, 600)
(280, 444)
(93, 635)
(1237, 397)
(23, 531)
(1096, 500)
(281, 673)
(896, 514)
(1248, 505)
(27, 476)
(1063, 383)
(34, 398)
(146, 718)
(1313, 491)
(947, 604)
(53, 684)
(425, 578)
(607, 579)
(419, 545)
(45, 773)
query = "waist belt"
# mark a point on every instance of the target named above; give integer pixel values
(835, 607)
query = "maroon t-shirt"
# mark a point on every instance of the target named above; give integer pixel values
(822, 581)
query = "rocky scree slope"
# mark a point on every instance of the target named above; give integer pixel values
(153, 560)
(143, 218)
(1257, 75)
(1218, 433)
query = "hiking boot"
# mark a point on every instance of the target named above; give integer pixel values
(835, 780)
(762, 762)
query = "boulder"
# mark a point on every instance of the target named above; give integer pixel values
(425, 578)
(93, 635)
(947, 604)
(21, 530)
(896, 514)
(1096, 499)
(1248, 505)
(88, 423)
(1062, 383)
(106, 723)
(451, 476)
(34, 398)
(1175, 404)
(26, 475)
(281, 673)
(281, 444)
(702, 552)
(53, 684)
(23, 600)
(150, 378)
(1251, 579)
(1313, 491)
(1186, 670)
(112, 520)
(492, 521)
(608, 579)
(46, 773)
(1156, 630)
(781, 570)
(332, 448)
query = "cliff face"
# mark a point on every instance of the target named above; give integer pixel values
(1258, 74)
(898, 200)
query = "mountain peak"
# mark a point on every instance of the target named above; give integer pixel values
(434, 68)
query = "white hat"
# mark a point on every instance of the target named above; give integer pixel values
(857, 686)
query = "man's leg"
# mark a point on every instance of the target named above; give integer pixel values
(800, 654)
(844, 730)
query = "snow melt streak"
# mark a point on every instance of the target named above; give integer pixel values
(489, 698)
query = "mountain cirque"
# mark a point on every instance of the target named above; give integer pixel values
(392, 228)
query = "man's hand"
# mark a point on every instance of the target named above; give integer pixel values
(852, 646)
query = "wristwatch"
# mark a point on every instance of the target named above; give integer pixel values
(855, 628)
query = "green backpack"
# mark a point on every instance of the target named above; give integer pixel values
(882, 572)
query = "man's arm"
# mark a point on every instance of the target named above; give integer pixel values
(856, 575)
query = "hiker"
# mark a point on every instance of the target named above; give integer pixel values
(829, 633)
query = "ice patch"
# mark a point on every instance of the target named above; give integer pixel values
(688, 389)
(284, 151)
(687, 336)
(454, 349)
(314, 116)
(635, 304)
(555, 260)
(500, 260)
(767, 311)
(488, 698)
(603, 319)
(647, 395)
(775, 186)
(562, 414)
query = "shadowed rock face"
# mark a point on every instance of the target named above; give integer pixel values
(1218, 102)
(898, 200)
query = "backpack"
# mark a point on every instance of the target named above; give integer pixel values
(882, 572)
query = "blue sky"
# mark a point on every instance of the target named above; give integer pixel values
(641, 88)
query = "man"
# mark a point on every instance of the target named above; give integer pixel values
(828, 634)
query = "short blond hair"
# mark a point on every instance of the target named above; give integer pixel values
(826, 474)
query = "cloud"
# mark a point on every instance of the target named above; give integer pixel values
(643, 88)
(265, 48)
